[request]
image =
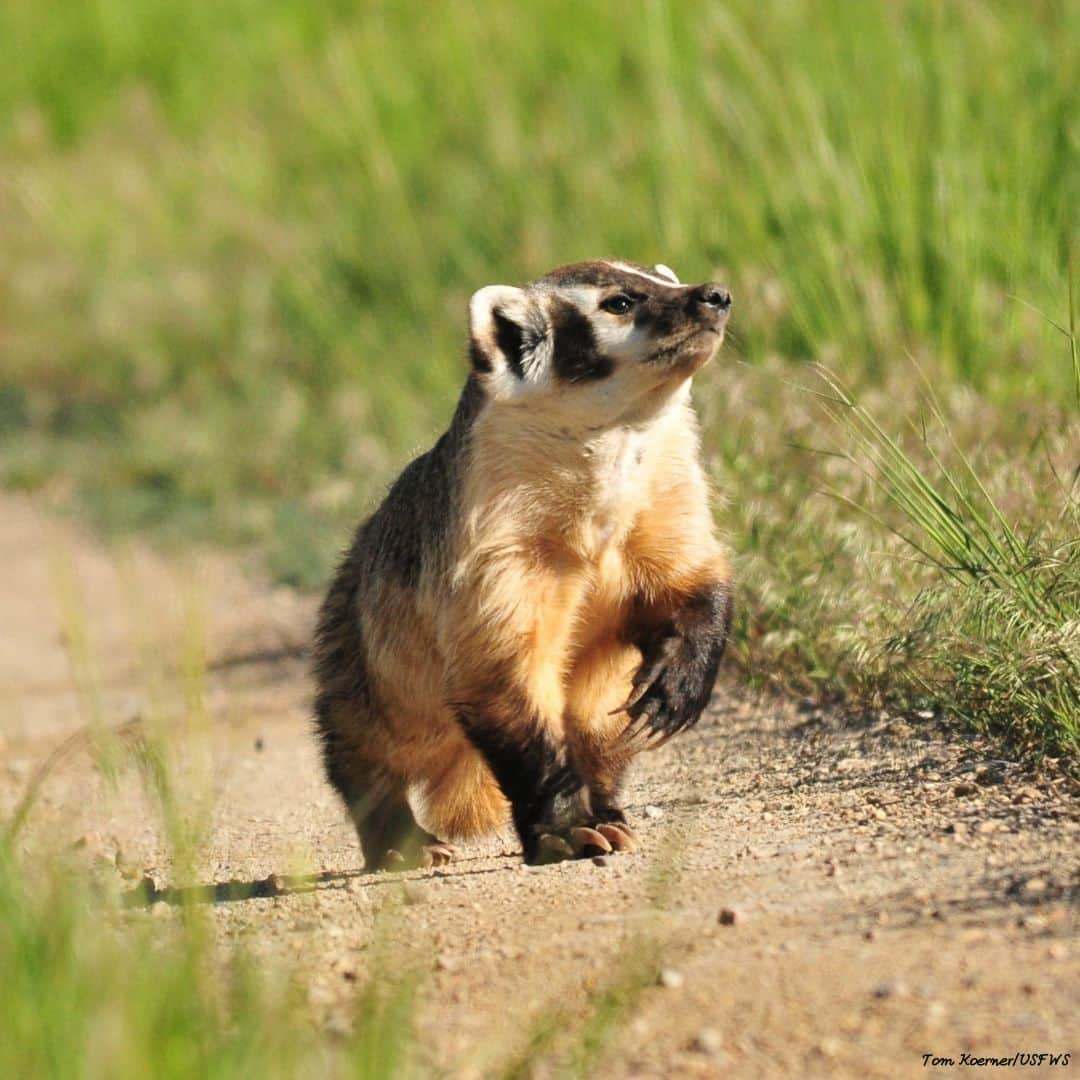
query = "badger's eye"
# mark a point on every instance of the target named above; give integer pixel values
(619, 304)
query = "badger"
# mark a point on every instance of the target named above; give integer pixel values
(542, 595)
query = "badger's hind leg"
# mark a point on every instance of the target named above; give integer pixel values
(376, 798)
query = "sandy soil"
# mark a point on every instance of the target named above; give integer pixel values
(810, 898)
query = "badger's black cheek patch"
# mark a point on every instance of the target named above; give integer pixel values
(576, 357)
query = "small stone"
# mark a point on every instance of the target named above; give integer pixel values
(1032, 922)
(1058, 951)
(1034, 886)
(956, 828)
(729, 916)
(601, 860)
(413, 893)
(18, 769)
(986, 775)
(653, 812)
(965, 789)
(444, 962)
(707, 1041)
(935, 1013)
(337, 1027)
(320, 995)
(259, 744)
(94, 846)
(986, 827)
(890, 989)
(670, 979)
(1027, 794)
(830, 1046)
(879, 813)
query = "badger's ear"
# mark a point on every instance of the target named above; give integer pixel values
(667, 272)
(502, 330)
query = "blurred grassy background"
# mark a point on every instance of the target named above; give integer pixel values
(238, 239)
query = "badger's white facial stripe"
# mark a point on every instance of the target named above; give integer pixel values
(663, 277)
(667, 272)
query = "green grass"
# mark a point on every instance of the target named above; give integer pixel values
(239, 238)
(91, 990)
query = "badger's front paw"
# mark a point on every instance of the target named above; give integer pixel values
(669, 692)
(581, 842)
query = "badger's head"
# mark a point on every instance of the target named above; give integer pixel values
(604, 342)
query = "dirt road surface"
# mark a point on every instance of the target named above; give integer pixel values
(810, 898)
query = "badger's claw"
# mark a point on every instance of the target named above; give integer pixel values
(619, 835)
(583, 842)
(434, 854)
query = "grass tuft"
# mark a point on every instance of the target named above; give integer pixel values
(995, 639)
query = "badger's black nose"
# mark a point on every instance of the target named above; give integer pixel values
(711, 295)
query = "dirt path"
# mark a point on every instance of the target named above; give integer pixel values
(894, 894)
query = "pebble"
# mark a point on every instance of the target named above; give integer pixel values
(653, 812)
(1035, 886)
(729, 916)
(413, 893)
(935, 1012)
(957, 828)
(707, 1041)
(670, 979)
(601, 860)
(830, 1046)
(890, 989)
(965, 789)
(93, 844)
(985, 827)
(337, 1027)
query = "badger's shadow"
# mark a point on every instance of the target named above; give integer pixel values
(146, 894)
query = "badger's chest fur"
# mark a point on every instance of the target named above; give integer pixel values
(542, 594)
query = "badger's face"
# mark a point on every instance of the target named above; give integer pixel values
(603, 340)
